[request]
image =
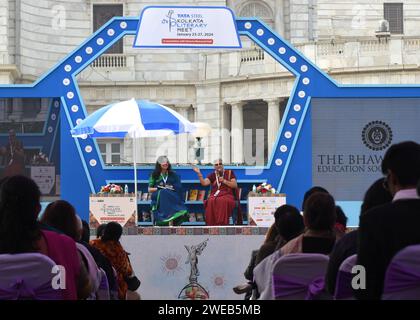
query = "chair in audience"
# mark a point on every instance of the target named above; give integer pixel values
(92, 268)
(297, 276)
(27, 276)
(343, 289)
(113, 292)
(402, 278)
(103, 292)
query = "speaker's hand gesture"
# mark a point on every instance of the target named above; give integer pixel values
(196, 169)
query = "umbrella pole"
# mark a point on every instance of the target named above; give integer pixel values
(135, 173)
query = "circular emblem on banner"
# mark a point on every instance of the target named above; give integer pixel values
(377, 135)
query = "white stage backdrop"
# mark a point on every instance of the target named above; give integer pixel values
(164, 265)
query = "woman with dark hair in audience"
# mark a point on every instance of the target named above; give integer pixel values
(376, 195)
(340, 225)
(62, 216)
(310, 192)
(20, 232)
(100, 259)
(289, 224)
(319, 218)
(100, 230)
(110, 247)
(270, 243)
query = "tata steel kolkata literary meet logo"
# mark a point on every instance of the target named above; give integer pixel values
(187, 25)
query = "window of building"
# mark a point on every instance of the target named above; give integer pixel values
(258, 9)
(393, 13)
(6, 108)
(31, 107)
(111, 151)
(102, 13)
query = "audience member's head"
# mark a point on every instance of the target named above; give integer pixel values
(100, 231)
(61, 215)
(289, 222)
(401, 166)
(112, 232)
(310, 192)
(320, 212)
(86, 232)
(418, 188)
(341, 217)
(272, 234)
(340, 225)
(376, 195)
(19, 209)
(79, 228)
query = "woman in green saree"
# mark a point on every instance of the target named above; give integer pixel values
(167, 204)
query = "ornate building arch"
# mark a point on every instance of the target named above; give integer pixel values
(258, 9)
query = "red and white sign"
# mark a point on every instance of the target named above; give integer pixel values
(104, 209)
(261, 209)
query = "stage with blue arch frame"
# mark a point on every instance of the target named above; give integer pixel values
(289, 167)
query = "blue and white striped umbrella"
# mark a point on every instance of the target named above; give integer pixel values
(139, 118)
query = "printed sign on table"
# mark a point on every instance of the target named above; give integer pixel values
(187, 27)
(261, 209)
(120, 209)
(44, 176)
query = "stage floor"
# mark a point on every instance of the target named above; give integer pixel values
(191, 262)
(198, 230)
(166, 259)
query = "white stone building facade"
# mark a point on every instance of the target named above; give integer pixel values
(242, 94)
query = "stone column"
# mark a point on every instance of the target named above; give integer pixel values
(237, 132)
(182, 153)
(225, 133)
(273, 122)
(140, 150)
(279, 18)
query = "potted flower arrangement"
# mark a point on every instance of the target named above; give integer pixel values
(111, 188)
(265, 189)
(39, 159)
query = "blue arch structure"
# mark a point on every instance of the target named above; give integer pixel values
(288, 168)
